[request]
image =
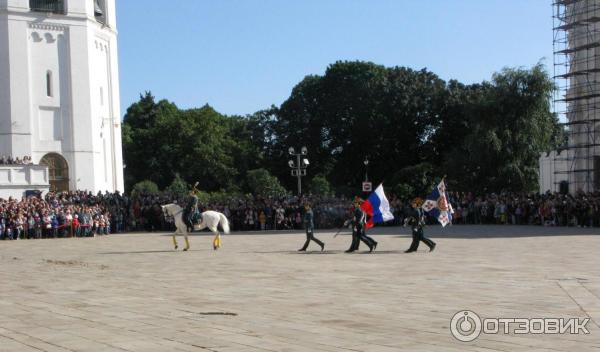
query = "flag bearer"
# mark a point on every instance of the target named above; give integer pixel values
(359, 218)
(417, 221)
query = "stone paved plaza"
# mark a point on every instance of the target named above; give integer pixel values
(134, 293)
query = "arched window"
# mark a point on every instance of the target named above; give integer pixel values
(58, 171)
(49, 83)
(100, 11)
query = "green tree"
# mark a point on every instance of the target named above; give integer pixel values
(404, 191)
(320, 186)
(178, 187)
(262, 183)
(508, 124)
(201, 145)
(145, 187)
(357, 110)
(418, 178)
(413, 127)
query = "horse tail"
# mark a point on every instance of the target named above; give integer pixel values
(224, 223)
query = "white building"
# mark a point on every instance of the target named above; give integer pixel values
(59, 90)
(577, 98)
(553, 174)
(17, 180)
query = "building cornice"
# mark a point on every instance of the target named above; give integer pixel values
(76, 19)
(48, 26)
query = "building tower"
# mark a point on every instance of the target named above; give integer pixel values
(59, 90)
(577, 99)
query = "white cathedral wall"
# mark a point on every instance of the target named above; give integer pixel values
(5, 122)
(50, 116)
(101, 110)
(19, 110)
(76, 121)
(116, 111)
(85, 130)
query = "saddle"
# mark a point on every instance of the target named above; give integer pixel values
(195, 218)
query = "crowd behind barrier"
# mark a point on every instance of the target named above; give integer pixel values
(8, 160)
(83, 214)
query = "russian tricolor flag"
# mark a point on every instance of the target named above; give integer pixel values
(377, 207)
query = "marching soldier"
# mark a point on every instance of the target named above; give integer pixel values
(310, 228)
(417, 221)
(359, 218)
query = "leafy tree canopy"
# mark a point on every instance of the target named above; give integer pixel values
(412, 126)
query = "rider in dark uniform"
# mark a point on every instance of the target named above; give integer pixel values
(416, 220)
(191, 215)
(359, 218)
(309, 225)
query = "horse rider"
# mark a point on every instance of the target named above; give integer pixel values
(309, 225)
(359, 218)
(191, 215)
(417, 221)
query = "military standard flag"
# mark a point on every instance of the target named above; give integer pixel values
(438, 206)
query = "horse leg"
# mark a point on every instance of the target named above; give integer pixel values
(187, 243)
(174, 241)
(217, 239)
(216, 242)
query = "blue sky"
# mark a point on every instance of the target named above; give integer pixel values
(241, 56)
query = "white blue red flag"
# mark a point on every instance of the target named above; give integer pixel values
(377, 207)
(438, 206)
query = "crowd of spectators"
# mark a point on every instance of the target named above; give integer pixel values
(79, 213)
(550, 209)
(69, 214)
(8, 160)
(245, 213)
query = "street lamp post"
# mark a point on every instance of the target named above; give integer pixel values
(366, 186)
(299, 166)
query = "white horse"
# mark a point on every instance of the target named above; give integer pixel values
(211, 219)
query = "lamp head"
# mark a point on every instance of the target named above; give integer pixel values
(291, 151)
(304, 151)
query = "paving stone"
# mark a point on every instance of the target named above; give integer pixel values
(135, 293)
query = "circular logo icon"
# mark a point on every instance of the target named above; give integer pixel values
(465, 326)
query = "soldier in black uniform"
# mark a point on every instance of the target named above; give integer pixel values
(309, 225)
(359, 218)
(417, 221)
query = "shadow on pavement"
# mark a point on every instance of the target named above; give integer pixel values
(499, 231)
(153, 252)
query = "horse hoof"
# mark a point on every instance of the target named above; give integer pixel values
(176, 247)
(185, 249)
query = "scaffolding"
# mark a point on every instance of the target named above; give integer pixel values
(576, 29)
